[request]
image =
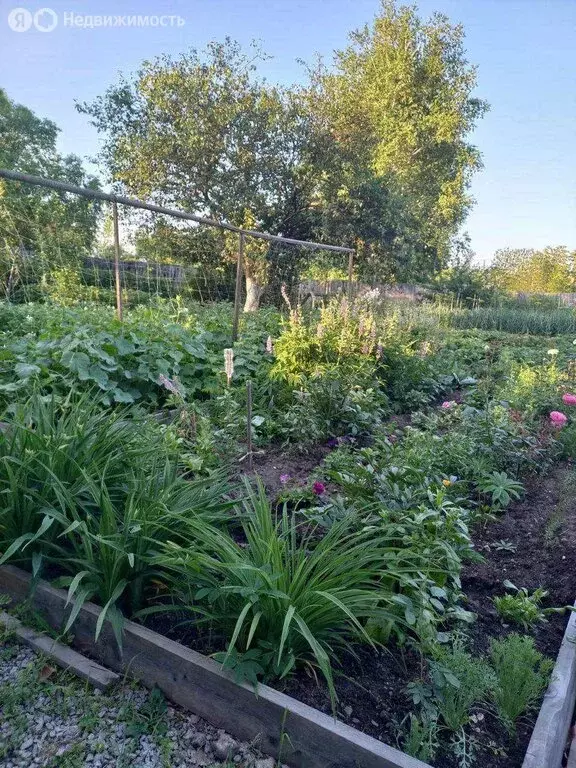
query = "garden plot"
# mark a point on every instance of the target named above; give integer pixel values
(380, 574)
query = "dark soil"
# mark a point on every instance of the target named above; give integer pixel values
(542, 528)
(275, 461)
(371, 687)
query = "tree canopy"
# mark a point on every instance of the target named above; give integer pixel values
(529, 270)
(370, 153)
(399, 101)
(35, 222)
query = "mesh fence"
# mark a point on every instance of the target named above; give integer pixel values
(60, 245)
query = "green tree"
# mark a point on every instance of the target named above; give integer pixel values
(462, 280)
(206, 134)
(399, 103)
(39, 229)
(527, 270)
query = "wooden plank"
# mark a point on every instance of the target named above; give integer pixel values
(63, 655)
(571, 763)
(546, 747)
(278, 724)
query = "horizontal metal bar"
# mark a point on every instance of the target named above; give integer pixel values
(63, 186)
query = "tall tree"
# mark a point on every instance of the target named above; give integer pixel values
(206, 134)
(39, 226)
(399, 102)
(528, 270)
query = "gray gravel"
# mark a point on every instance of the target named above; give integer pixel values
(50, 719)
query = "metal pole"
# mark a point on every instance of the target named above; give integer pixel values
(117, 261)
(238, 288)
(350, 274)
(94, 194)
(249, 422)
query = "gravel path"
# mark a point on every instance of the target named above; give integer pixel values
(51, 719)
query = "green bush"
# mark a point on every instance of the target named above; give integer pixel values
(426, 529)
(340, 338)
(121, 364)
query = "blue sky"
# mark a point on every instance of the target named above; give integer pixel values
(524, 49)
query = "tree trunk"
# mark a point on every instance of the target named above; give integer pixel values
(253, 294)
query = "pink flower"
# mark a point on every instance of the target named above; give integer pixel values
(318, 488)
(558, 419)
(448, 404)
(284, 479)
(569, 399)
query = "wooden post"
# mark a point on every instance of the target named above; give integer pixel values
(350, 274)
(249, 422)
(238, 289)
(117, 261)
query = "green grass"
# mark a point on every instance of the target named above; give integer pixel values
(536, 322)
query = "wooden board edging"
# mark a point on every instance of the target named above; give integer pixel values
(60, 654)
(278, 725)
(548, 741)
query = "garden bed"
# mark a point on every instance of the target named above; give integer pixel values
(281, 726)
(371, 689)
(353, 560)
(371, 686)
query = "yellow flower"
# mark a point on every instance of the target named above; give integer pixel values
(447, 483)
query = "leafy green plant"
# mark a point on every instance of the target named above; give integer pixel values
(119, 363)
(503, 545)
(341, 337)
(460, 681)
(150, 718)
(501, 489)
(421, 740)
(464, 747)
(94, 494)
(521, 607)
(522, 674)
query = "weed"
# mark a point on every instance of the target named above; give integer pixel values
(503, 545)
(421, 739)
(522, 607)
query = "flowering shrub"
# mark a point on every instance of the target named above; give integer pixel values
(558, 419)
(342, 338)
